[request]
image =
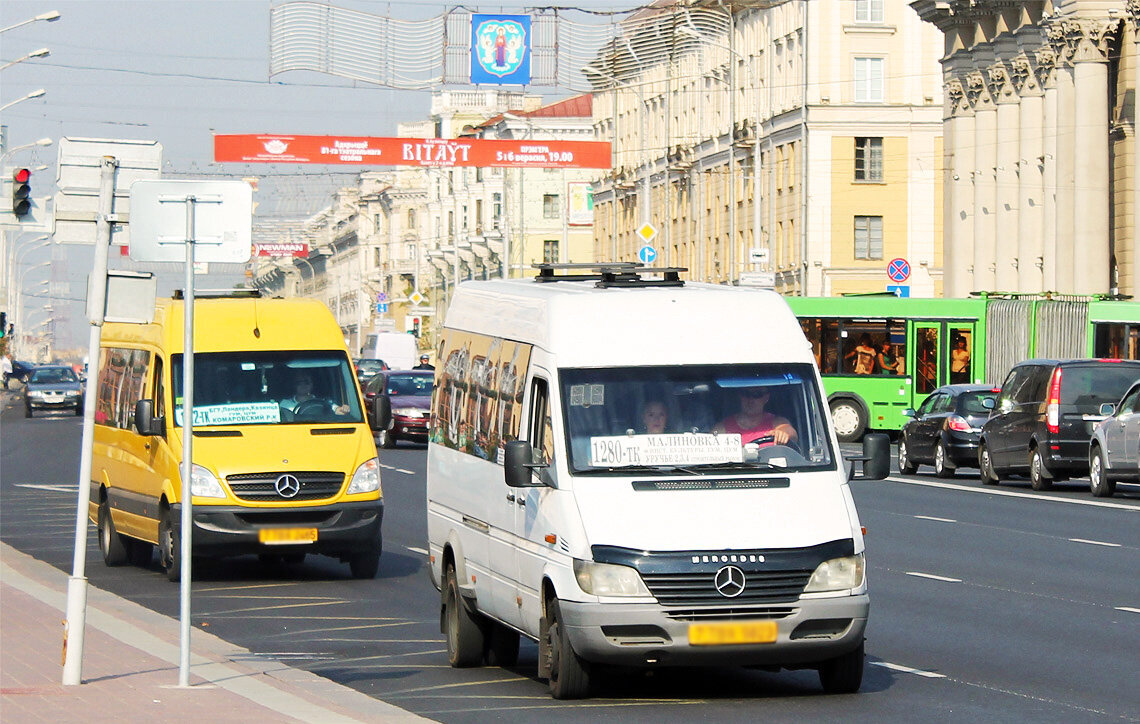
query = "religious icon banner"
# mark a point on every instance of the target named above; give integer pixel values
(500, 49)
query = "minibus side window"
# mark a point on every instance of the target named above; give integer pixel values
(156, 390)
(541, 429)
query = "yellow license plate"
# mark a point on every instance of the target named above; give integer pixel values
(727, 634)
(280, 536)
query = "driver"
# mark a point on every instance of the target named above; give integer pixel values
(303, 392)
(754, 423)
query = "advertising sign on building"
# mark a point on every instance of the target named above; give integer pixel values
(500, 49)
(421, 152)
(281, 248)
(580, 208)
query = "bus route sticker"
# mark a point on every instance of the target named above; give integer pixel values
(669, 449)
(243, 414)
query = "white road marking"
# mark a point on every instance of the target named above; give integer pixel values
(1129, 609)
(398, 470)
(53, 488)
(1016, 494)
(931, 517)
(907, 670)
(1095, 542)
(413, 549)
(933, 577)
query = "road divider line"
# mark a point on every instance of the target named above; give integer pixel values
(398, 470)
(1129, 609)
(1095, 542)
(938, 520)
(908, 670)
(413, 549)
(1016, 494)
(933, 577)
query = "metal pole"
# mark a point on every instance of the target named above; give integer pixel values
(187, 523)
(731, 146)
(96, 304)
(647, 207)
(613, 180)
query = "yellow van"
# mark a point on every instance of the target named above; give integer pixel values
(284, 461)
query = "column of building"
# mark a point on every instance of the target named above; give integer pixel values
(985, 192)
(1030, 244)
(1006, 185)
(1046, 63)
(958, 239)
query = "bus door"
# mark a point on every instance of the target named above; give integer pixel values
(928, 360)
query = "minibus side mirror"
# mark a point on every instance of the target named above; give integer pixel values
(876, 458)
(518, 463)
(381, 412)
(145, 421)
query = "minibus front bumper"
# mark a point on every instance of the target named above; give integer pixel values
(808, 632)
(341, 529)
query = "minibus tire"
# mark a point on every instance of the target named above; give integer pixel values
(1039, 478)
(465, 637)
(843, 674)
(365, 565)
(569, 675)
(169, 548)
(502, 645)
(112, 545)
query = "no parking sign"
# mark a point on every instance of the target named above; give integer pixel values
(898, 270)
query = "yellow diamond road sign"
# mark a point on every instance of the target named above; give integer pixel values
(416, 298)
(647, 232)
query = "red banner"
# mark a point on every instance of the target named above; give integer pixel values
(425, 152)
(281, 248)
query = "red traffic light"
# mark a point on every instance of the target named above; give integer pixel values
(21, 175)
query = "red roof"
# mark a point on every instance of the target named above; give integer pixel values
(579, 106)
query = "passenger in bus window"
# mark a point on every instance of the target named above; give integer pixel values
(654, 417)
(960, 361)
(864, 355)
(888, 360)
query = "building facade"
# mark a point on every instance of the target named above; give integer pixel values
(818, 166)
(1040, 154)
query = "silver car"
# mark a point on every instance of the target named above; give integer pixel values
(1114, 451)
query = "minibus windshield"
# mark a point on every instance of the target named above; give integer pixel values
(646, 420)
(269, 388)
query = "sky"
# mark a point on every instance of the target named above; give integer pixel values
(177, 71)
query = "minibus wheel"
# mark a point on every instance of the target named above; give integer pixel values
(169, 547)
(843, 674)
(502, 645)
(111, 544)
(1039, 477)
(465, 637)
(569, 675)
(365, 565)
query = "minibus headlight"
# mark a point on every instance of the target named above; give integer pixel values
(838, 574)
(203, 484)
(366, 479)
(605, 579)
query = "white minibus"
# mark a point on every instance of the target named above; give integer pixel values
(631, 469)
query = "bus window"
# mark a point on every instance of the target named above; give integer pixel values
(824, 337)
(873, 347)
(961, 347)
(926, 359)
(1117, 340)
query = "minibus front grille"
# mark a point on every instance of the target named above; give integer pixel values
(727, 614)
(261, 487)
(693, 589)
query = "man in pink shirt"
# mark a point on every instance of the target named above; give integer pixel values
(754, 423)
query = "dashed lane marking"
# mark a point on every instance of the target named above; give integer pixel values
(907, 670)
(53, 488)
(933, 577)
(1129, 609)
(1095, 542)
(939, 520)
(398, 470)
(1016, 494)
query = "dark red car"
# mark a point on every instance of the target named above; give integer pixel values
(410, 394)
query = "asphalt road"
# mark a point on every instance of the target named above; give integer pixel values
(996, 604)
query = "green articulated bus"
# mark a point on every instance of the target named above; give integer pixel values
(880, 354)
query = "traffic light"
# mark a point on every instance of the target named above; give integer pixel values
(416, 326)
(21, 192)
(3, 324)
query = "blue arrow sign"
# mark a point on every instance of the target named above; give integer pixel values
(647, 254)
(899, 290)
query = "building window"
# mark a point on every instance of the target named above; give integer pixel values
(550, 203)
(868, 80)
(868, 237)
(868, 11)
(550, 251)
(479, 213)
(868, 159)
(411, 218)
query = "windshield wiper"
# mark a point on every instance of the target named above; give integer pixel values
(641, 468)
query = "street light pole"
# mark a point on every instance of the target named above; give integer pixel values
(34, 94)
(41, 53)
(51, 16)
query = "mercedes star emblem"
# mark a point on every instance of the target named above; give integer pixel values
(729, 581)
(288, 486)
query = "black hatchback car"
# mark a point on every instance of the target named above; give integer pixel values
(944, 431)
(1044, 418)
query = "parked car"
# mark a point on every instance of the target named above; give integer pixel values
(52, 387)
(366, 367)
(1043, 420)
(945, 429)
(410, 394)
(1114, 452)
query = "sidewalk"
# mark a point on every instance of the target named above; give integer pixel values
(130, 666)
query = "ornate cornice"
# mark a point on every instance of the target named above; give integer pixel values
(1082, 40)
(977, 91)
(1000, 84)
(955, 94)
(1046, 65)
(1024, 75)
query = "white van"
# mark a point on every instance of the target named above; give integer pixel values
(397, 349)
(640, 471)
